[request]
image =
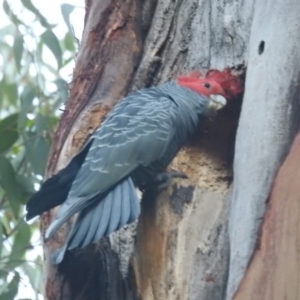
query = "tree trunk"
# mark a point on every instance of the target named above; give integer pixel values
(267, 126)
(180, 247)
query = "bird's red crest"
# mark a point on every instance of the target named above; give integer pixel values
(230, 83)
(215, 82)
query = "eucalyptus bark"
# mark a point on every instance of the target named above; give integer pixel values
(180, 247)
(267, 127)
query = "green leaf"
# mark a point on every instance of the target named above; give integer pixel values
(51, 41)
(12, 93)
(20, 245)
(10, 13)
(8, 132)
(68, 60)
(34, 275)
(37, 149)
(9, 184)
(4, 231)
(42, 123)
(62, 89)
(7, 30)
(66, 10)
(26, 98)
(25, 184)
(4, 285)
(69, 42)
(8, 90)
(51, 68)
(18, 47)
(1, 238)
(12, 288)
(28, 4)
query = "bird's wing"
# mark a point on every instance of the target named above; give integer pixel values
(135, 133)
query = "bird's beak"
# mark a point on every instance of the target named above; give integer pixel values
(216, 102)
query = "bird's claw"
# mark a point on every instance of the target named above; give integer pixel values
(164, 179)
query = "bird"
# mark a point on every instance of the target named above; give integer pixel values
(130, 149)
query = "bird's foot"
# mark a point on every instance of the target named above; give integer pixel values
(163, 180)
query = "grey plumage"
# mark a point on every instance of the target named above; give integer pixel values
(139, 138)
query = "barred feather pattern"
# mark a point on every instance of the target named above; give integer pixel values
(145, 130)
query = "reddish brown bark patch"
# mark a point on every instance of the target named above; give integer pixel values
(109, 53)
(274, 272)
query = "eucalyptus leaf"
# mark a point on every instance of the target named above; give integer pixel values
(1, 238)
(26, 98)
(68, 60)
(25, 184)
(51, 41)
(62, 89)
(29, 5)
(20, 245)
(37, 149)
(9, 29)
(9, 91)
(18, 48)
(12, 288)
(66, 10)
(34, 275)
(12, 93)
(4, 285)
(42, 123)
(9, 184)
(8, 132)
(5, 47)
(69, 42)
(10, 13)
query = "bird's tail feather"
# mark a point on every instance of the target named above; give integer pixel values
(54, 191)
(119, 207)
(51, 194)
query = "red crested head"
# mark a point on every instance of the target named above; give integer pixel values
(231, 84)
(200, 85)
(214, 83)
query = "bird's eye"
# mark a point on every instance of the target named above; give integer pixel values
(207, 85)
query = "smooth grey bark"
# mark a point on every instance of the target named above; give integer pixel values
(268, 123)
(194, 34)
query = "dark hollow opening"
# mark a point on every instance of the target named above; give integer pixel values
(261, 47)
